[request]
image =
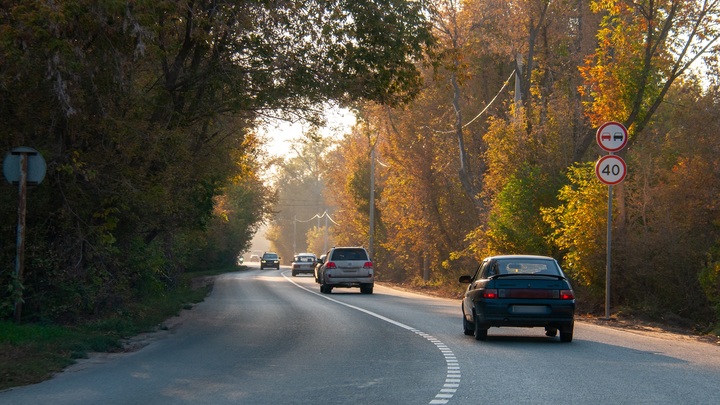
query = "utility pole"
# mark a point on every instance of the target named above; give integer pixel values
(294, 233)
(326, 232)
(372, 201)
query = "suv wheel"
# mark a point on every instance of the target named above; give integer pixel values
(366, 288)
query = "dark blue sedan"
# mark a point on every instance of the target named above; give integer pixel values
(518, 290)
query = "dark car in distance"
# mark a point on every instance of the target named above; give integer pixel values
(269, 260)
(520, 291)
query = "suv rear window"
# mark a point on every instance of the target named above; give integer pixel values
(349, 254)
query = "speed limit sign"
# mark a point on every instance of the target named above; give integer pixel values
(610, 169)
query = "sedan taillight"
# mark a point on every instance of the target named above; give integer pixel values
(490, 293)
(567, 295)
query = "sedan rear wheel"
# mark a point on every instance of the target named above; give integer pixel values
(468, 327)
(566, 334)
(480, 331)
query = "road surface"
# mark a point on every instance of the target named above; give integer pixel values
(264, 337)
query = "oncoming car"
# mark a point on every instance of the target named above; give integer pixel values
(269, 259)
(303, 263)
(518, 290)
(346, 267)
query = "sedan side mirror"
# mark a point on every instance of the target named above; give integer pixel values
(465, 279)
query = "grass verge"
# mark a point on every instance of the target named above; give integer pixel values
(31, 353)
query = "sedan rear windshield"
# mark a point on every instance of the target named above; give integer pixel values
(349, 254)
(304, 259)
(527, 266)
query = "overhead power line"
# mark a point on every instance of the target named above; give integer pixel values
(318, 216)
(507, 81)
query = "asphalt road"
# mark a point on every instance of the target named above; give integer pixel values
(264, 337)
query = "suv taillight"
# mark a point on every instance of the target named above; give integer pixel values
(367, 265)
(330, 265)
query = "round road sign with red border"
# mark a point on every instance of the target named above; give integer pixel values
(612, 136)
(611, 169)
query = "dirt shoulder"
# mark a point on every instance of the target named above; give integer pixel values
(651, 328)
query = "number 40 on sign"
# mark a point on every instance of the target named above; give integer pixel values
(610, 169)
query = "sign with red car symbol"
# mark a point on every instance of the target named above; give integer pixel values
(612, 136)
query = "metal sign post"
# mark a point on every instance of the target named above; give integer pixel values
(610, 169)
(609, 256)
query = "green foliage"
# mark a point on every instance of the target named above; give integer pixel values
(358, 186)
(515, 223)
(709, 278)
(144, 113)
(238, 214)
(579, 226)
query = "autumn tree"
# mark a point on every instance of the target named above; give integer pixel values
(347, 176)
(424, 211)
(643, 49)
(671, 213)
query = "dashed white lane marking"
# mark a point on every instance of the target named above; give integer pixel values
(452, 378)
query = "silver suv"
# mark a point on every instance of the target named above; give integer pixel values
(346, 267)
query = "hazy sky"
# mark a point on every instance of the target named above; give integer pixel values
(282, 133)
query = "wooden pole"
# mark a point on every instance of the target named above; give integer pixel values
(20, 245)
